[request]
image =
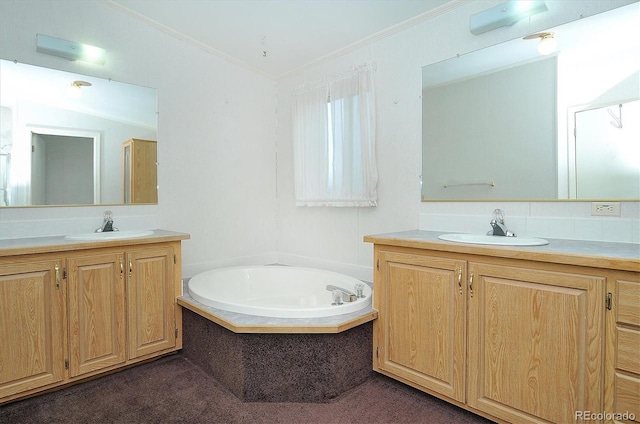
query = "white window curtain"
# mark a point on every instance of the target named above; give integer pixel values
(334, 142)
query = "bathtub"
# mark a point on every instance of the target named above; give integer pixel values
(276, 291)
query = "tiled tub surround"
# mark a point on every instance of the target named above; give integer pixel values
(264, 359)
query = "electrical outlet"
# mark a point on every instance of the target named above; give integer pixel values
(605, 209)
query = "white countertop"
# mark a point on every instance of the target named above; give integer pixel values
(623, 256)
(22, 246)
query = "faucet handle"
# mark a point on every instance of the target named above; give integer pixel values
(337, 297)
(498, 215)
(107, 223)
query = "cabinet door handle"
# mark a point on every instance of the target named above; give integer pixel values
(471, 284)
(460, 279)
(121, 268)
(130, 268)
(57, 268)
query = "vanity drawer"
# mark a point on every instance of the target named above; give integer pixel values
(628, 306)
(628, 352)
(626, 400)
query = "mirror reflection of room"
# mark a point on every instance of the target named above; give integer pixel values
(510, 123)
(63, 138)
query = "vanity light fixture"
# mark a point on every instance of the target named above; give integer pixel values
(69, 49)
(75, 89)
(505, 14)
(547, 44)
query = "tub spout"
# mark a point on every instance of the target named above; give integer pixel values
(347, 295)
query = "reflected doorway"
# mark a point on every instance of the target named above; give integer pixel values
(606, 152)
(64, 168)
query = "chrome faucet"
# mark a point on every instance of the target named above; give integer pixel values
(497, 225)
(347, 295)
(107, 224)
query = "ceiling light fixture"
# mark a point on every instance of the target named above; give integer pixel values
(75, 90)
(547, 44)
(69, 49)
(505, 14)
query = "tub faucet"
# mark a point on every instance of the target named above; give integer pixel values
(107, 224)
(497, 225)
(347, 295)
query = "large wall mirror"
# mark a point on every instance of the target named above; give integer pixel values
(506, 123)
(63, 138)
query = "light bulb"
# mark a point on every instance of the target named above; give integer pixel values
(74, 91)
(547, 44)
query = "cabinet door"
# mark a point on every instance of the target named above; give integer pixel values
(31, 326)
(96, 304)
(152, 301)
(535, 343)
(420, 330)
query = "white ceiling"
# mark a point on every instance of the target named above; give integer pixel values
(277, 36)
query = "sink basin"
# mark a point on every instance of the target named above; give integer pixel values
(493, 240)
(110, 235)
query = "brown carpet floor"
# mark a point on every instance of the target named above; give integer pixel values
(173, 390)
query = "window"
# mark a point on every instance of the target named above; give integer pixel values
(334, 142)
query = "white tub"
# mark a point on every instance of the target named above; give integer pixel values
(275, 291)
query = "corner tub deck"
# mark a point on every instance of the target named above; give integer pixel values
(242, 323)
(267, 359)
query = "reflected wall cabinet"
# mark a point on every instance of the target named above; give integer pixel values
(140, 171)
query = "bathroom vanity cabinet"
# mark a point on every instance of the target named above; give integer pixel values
(420, 331)
(514, 334)
(623, 347)
(32, 329)
(85, 309)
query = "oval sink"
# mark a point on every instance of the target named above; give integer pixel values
(110, 235)
(493, 240)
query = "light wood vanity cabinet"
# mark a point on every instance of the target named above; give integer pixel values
(535, 342)
(106, 328)
(68, 316)
(152, 301)
(513, 339)
(420, 331)
(96, 312)
(623, 325)
(31, 325)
